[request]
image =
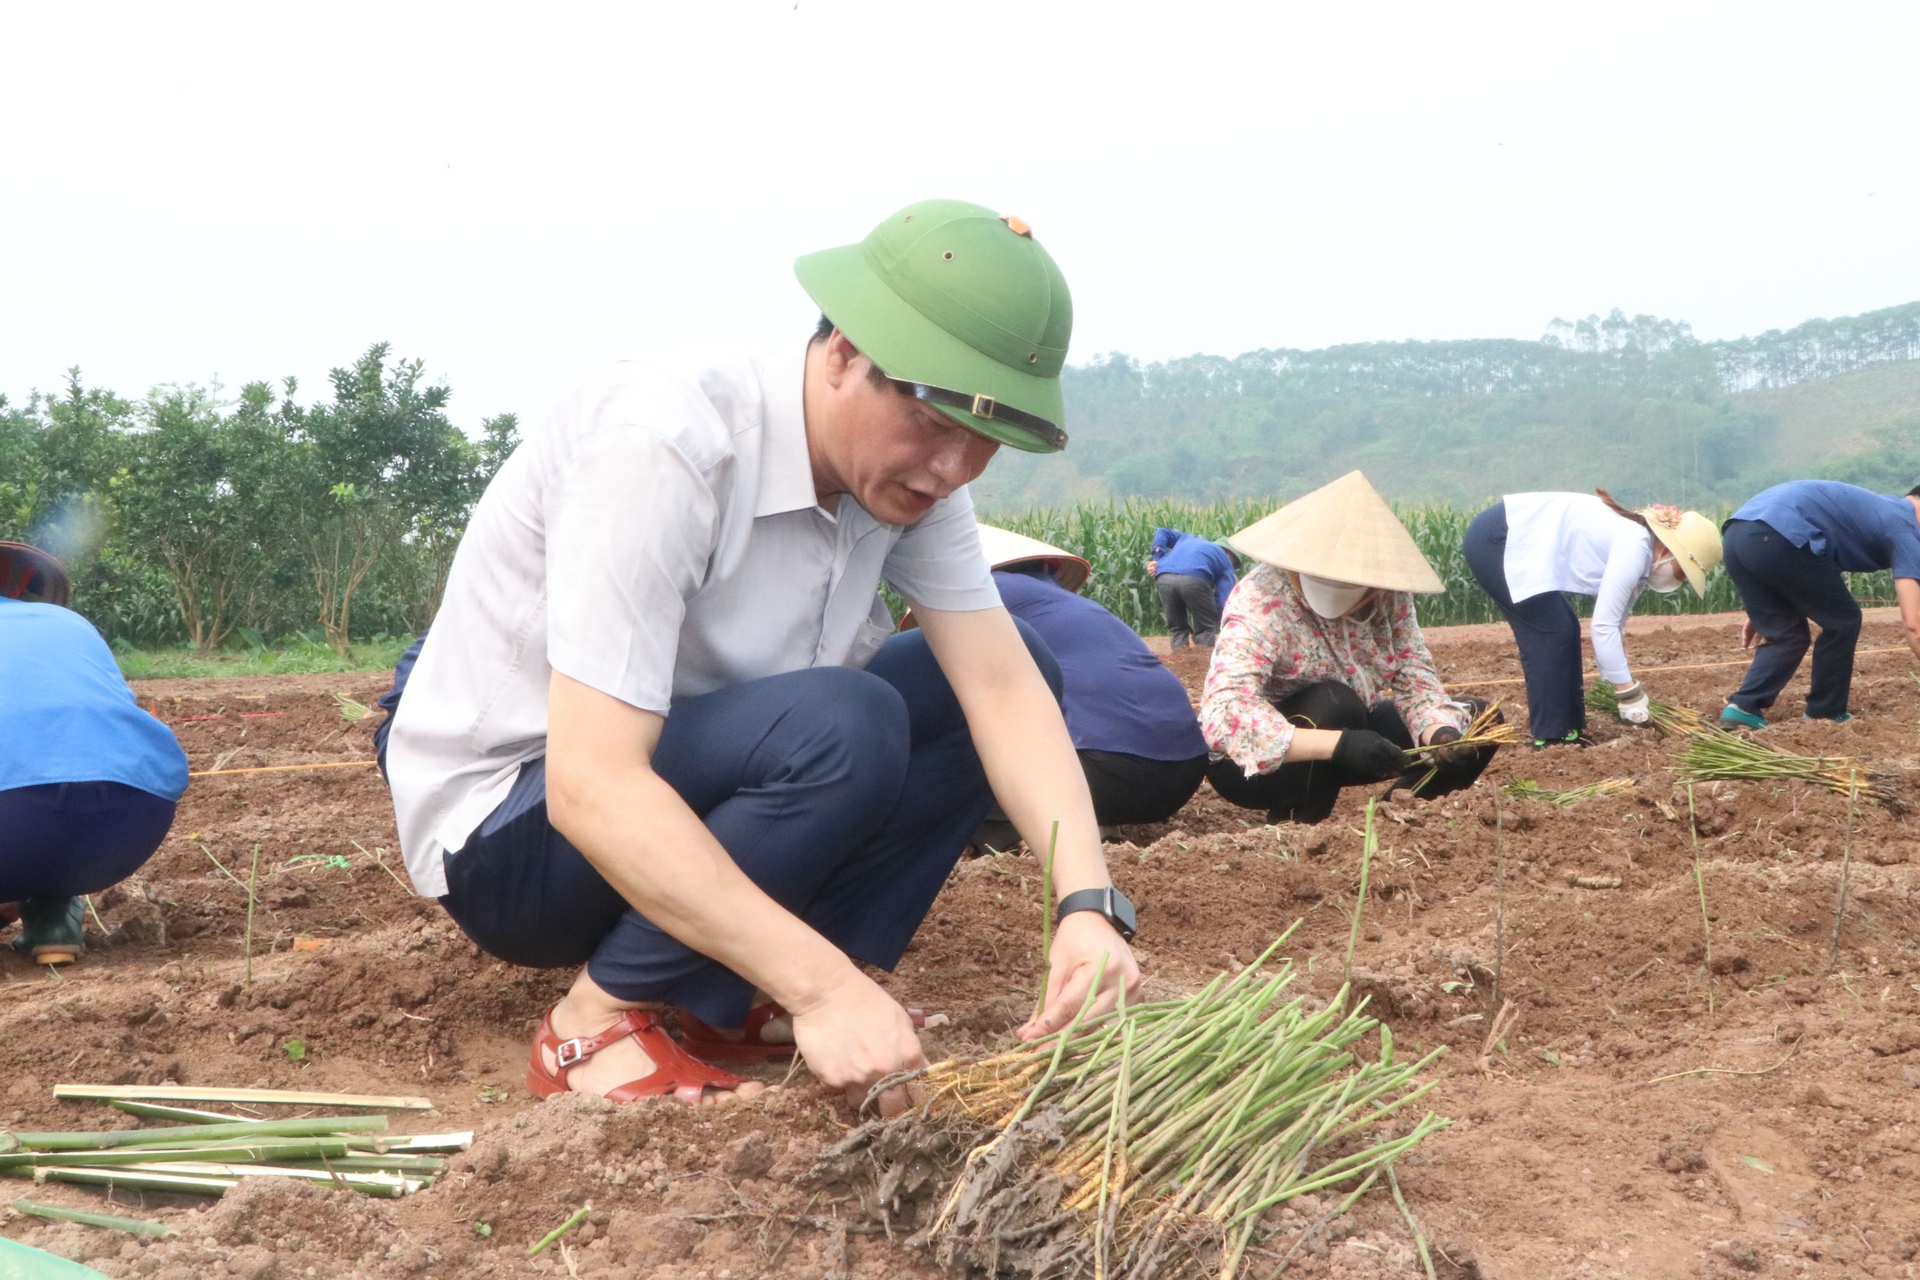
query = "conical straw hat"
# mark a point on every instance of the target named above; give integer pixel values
(1344, 531)
(1004, 547)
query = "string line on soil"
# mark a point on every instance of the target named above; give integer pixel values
(283, 768)
(1696, 666)
(1720, 1071)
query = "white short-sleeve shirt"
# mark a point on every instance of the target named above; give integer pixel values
(656, 538)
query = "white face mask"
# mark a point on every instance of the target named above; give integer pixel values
(1666, 577)
(1330, 598)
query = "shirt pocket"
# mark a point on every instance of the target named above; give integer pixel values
(866, 642)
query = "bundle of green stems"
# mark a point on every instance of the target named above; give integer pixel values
(1713, 755)
(1199, 1113)
(208, 1158)
(1526, 789)
(1671, 721)
(1488, 729)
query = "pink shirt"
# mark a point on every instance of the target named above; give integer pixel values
(1271, 645)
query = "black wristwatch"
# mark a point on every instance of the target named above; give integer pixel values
(1108, 901)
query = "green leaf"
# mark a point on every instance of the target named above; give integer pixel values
(296, 1050)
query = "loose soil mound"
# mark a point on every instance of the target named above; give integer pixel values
(1580, 1149)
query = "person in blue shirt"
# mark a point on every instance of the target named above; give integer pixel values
(1194, 578)
(88, 780)
(1130, 718)
(1787, 551)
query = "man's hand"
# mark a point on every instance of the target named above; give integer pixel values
(856, 1035)
(1078, 945)
(1749, 638)
(1153, 568)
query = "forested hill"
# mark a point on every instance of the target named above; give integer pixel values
(1636, 405)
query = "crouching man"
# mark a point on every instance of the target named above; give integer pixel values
(661, 728)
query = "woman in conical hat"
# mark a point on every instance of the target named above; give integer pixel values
(1320, 679)
(1527, 548)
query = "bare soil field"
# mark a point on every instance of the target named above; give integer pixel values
(1648, 1114)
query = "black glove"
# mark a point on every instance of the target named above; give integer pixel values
(1368, 757)
(1446, 755)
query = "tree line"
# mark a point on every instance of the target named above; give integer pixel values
(189, 518)
(1637, 404)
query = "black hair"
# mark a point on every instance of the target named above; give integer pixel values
(1914, 492)
(875, 374)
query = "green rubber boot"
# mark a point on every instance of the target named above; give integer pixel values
(50, 929)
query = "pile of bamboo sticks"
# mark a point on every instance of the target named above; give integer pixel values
(207, 1152)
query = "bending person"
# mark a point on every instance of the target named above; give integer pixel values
(1193, 578)
(1528, 548)
(1788, 551)
(658, 728)
(1130, 718)
(88, 780)
(1320, 679)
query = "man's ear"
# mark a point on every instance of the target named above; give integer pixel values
(843, 360)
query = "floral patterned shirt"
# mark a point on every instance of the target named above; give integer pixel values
(1271, 644)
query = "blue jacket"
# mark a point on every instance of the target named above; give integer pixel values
(1188, 553)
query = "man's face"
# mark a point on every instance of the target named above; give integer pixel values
(895, 455)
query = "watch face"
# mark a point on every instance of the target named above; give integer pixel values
(1121, 914)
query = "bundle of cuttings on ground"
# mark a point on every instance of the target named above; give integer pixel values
(1527, 789)
(1671, 721)
(1714, 755)
(211, 1151)
(1160, 1141)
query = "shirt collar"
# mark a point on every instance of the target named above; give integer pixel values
(786, 470)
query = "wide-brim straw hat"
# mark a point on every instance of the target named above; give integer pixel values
(1693, 539)
(1004, 547)
(30, 574)
(1344, 531)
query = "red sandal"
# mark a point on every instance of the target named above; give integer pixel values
(673, 1067)
(750, 1047)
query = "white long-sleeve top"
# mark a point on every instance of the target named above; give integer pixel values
(1572, 542)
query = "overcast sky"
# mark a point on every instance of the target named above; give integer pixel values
(517, 194)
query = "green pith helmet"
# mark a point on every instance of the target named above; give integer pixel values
(955, 299)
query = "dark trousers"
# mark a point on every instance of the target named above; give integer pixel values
(1133, 789)
(1783, 587)
(1305, 792)
(1193, 610)
(846, 795)
(63, 839)
(1544, 626)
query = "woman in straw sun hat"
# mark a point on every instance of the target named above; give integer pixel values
(1320, 679)
(1128, 715)
(1527, 548)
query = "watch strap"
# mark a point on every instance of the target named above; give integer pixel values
(1106, 900)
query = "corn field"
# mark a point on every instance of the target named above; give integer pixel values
(1115, 538)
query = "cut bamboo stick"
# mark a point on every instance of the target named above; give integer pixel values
(423, 1143)
(150, 1111)
(110, 1221)
(105, 1139)
(276, 1097)
(138, 1179)
(24, 1161)
(380, 1184)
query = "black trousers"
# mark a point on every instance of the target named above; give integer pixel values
(1783, 587)
(63, 839)
(1305, 792)
(1544, 626)
(1193, 610)
(1133, 789)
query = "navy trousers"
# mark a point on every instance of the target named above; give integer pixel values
(846, 795)
(1783, 587)
(1545, 627)
(63, 839)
